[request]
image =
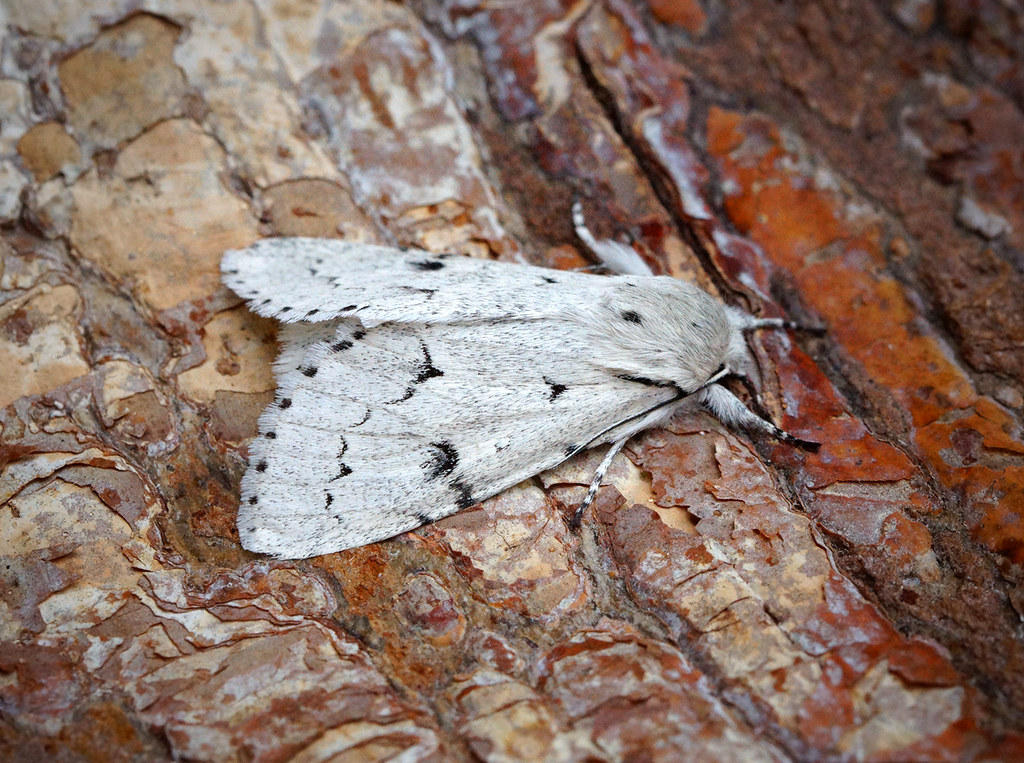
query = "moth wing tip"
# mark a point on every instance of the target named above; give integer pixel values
(282, 544)
(229, 264)
(256, 254)
(262, 540)
(237, 269)
(231, 256)
(272, 545)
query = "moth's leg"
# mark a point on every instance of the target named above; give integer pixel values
(595, 484)
(731, 411)
(752, 388)
(616, 257)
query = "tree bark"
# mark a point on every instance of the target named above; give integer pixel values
(853, 166)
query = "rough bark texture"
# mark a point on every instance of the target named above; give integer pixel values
(857, 165)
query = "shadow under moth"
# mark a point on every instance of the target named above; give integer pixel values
(412, 385)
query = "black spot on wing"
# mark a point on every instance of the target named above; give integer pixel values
(343, 469)
(345, 344)
(632, 316)
(329, 500)
(548, 279)
(314, 311)
(271, 435)
(571, 450)
(442, 461)
(422, 518)
(310, 371)
(286, 402)
(463, 493)
(427, 370)
(253, 500)
(261, 466)
(427, 264)
(556, 388)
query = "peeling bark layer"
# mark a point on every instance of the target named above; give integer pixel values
(852, 166)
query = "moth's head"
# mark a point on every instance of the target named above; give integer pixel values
(663, 330)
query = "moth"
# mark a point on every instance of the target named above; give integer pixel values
(412, 385)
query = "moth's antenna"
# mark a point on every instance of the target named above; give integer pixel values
(782, 323)
(746, 322)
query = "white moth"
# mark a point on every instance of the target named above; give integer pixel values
(412, 385)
